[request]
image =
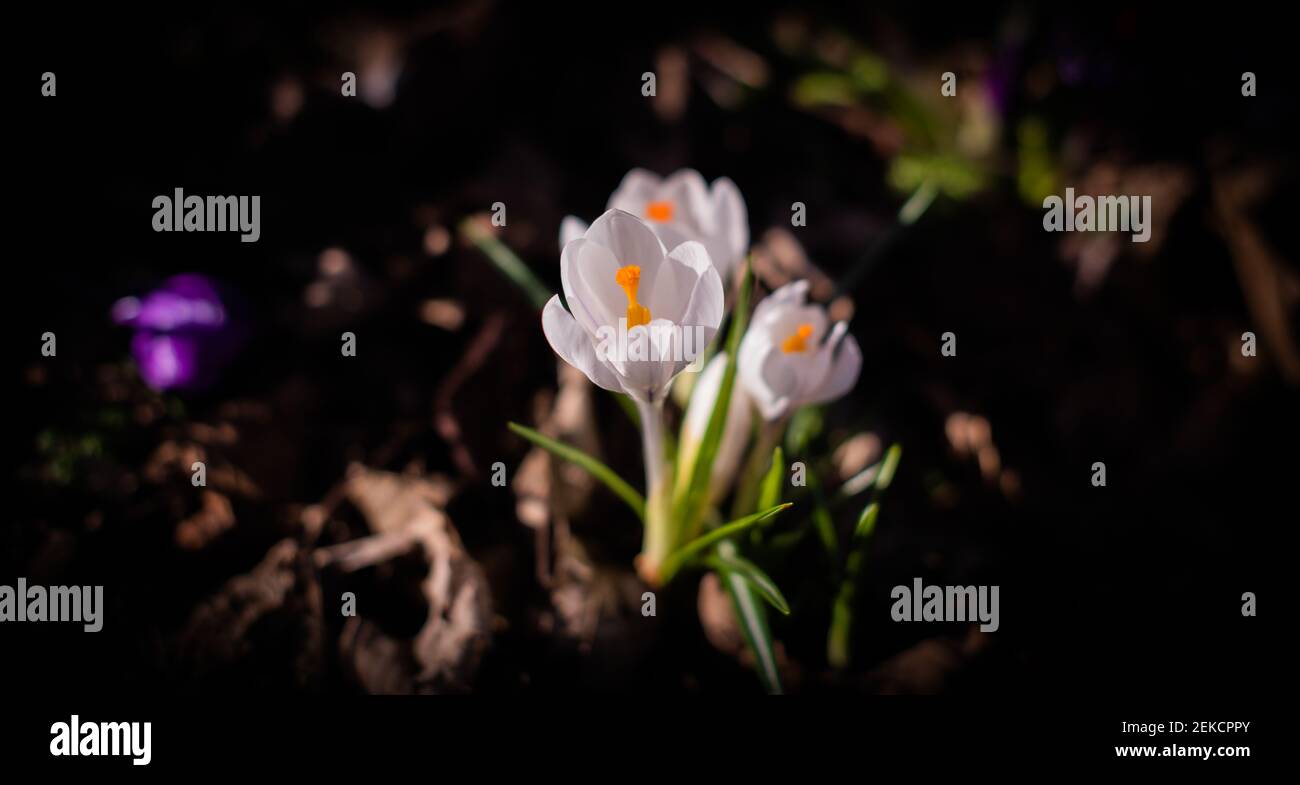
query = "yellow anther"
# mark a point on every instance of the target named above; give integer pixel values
(629, 278)
(798, 340)
(659, 211)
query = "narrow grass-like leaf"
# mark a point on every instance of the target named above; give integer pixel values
(889, 466)
(770, 493)
(683, 556)
(867, 522)
(878, 476)
(765, 586)
(629, 408)
(752, 615)
(592, 466)
(505, 260)
(839, 637)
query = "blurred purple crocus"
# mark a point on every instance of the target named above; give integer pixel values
(185, 333)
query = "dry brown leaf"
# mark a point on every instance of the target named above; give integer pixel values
(400, 509)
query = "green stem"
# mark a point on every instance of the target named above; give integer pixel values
(657, 542)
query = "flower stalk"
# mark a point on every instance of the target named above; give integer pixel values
(657, 541)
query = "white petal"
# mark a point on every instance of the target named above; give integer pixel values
(731, 224)
(703, 396)
(704, 308)
(845, 368)
(574, 345)
(677, 280)
(689, 195)
(587, 275)
(793, 293)
(571, 228)
(631, 241)
(672, 234)
(783, 321)
(777, 385)
(645, 373)
(638, 187)
(692, 254)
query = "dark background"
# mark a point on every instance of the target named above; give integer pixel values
(1132, 587)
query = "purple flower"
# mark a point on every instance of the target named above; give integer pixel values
(184, 332)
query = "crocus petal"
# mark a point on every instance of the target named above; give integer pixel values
(731, 223)
(677, 279)
(846, 365)
(648, 367)
(587, 274)
(776, 386)
(638, 187)
(704, 308)
(631, 241)
(689, 194)
(574, 345)
(793, 293)
(782, 323)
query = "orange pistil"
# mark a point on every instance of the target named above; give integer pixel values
(798, 340)
(629, 278)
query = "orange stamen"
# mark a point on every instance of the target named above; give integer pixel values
(798, 341)
(659, 211)
(629, 278)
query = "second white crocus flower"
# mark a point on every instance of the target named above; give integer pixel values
(791, 355)
(679, 208)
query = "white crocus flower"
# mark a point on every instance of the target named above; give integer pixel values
(789, 358)
(638, 315)
(679, 208)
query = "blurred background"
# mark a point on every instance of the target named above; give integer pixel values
(328, 474)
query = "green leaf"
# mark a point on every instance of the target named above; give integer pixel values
(681, 557)
(889, 466)
(752, 615)
(825, 89)
(505, 260)
(918, 203)
(878, 476)
(867, 521)
(839, 637)
(950, 175)
(629, 408)
(592, 466)
(693, 500)
(770, 493)
(756, 577)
